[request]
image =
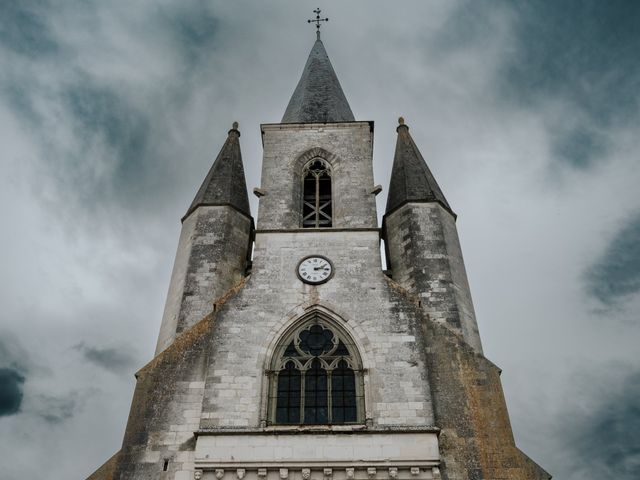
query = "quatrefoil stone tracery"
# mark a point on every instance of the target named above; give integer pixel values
(305, 346)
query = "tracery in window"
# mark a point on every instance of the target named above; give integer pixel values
(316, 378)
(316, 201)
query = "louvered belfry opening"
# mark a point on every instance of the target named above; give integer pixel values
(317, 202)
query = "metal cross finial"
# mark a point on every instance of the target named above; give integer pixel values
(317, 21)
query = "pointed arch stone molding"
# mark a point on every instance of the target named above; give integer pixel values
(316, 152)
(303, 312)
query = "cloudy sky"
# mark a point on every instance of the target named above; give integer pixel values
(528, 114)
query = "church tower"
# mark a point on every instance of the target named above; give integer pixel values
(286, 352)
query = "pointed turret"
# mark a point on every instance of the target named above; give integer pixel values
(225, 183)
(411, 179)
(214, 246)
(421, 241)
(318, 98)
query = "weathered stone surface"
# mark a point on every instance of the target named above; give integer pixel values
(476, 441)
(211, 257)
(347, 147)
(358, 296)
(318, 98)
(433, 404)
(424, 255)
(165, 410)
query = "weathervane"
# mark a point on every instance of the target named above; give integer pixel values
(317, 21)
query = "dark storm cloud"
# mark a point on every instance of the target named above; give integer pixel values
(585, 51)
(14, 365)
(193, 28)
(103, 116)
(10, 391)
(576, 60)
(582, 54)
(116, 360)
(579, 146)
(24, 29)
(56, 410)
(117, 129)
(617, 272)
(606, 441)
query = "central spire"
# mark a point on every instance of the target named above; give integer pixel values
(318, 98)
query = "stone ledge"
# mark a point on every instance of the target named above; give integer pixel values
(318, 429)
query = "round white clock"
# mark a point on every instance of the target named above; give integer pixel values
(315, 269)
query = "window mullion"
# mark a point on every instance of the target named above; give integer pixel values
(273, 395)
(317, 200)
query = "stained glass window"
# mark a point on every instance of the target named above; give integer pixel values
(288, 410)
(317, 378)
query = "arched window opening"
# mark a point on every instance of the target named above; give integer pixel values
(316, 202)
(316, 378)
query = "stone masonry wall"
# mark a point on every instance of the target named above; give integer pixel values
(425, 258)
(165, 410)
(379, 320)
(211, 257)
(347, 147)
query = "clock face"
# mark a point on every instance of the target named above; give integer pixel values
(315, 269)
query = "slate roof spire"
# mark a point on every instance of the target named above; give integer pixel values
(318, 98)
(411, 179)
(225, 183)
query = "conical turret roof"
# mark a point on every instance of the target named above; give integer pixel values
(225, 183)
(411, 179)
(318, 98)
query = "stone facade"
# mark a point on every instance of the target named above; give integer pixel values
(348, 147)
(431, 404)
(423, 252)
(211, 258)
(273, 298)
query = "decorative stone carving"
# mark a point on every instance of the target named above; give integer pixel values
(197, 474)
(306, 473)
(436, 473)
(262, 472)
(240, 473)
(415, 471)
(393, 472)
(284, 473)
(328, 473)
(371, 472)
(219, 473)
(350, 472)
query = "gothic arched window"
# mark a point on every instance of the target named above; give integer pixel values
(316, 197)
(316, 378)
